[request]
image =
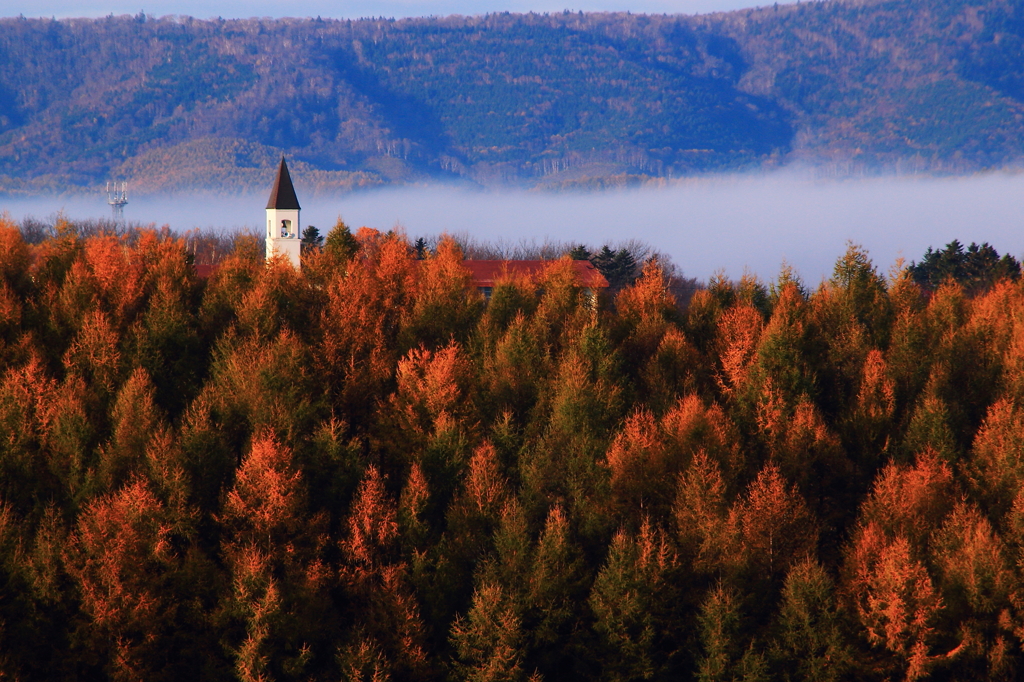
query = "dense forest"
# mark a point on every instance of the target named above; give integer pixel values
(561, 100)
(361, 471)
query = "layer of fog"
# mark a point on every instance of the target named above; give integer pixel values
(727, 223)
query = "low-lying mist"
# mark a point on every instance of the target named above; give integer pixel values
(730, 223)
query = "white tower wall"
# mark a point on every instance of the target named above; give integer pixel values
(283, 235)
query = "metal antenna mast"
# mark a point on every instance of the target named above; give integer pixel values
(117, 197)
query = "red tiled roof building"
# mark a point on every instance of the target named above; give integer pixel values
(486, 273)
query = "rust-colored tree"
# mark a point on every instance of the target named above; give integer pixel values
(996, 464)
(445, 307)
(361, 322)
(123, 562)
(376, 579)
(774, 528)
(896, 601)
(273, 550)
(646, 313)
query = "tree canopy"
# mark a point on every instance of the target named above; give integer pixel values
(364, 471)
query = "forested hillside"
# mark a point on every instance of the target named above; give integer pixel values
(558, 99)
(902, 83)
(362, 472)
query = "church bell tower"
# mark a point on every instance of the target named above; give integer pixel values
(283, 219)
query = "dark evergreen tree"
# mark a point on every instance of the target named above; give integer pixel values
(311, 239)
(580, 252)
(420, 248)
(618, 267)
(977, 268)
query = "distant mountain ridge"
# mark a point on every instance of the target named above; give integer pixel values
(566, 99)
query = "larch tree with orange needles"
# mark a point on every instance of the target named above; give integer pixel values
(376, 580)
(445, 307)
(122, 563)
(273, 550)
(361, 322)
(774, 528)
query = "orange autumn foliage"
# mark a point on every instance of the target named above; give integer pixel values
(360, 469)
(362, 319)
(118, 554)
(739, 329)
(266, 504)
(896, 600)
(432, 386)
(773, 526)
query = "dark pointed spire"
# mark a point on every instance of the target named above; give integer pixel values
(283, 194)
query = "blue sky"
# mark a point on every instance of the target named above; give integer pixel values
(228, 9)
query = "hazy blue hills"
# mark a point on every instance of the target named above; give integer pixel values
(567, 99)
